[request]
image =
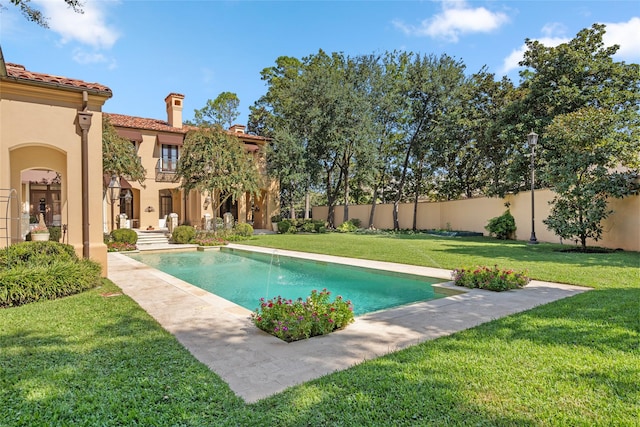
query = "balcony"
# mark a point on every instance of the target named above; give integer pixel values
(166, 169)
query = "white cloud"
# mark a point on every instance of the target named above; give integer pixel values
(625, 34)
(455, 19)
(82, 57)
(511, 62)
(88, 28)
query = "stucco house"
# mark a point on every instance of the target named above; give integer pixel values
(51, 164)
(50, 150)
(158, 143)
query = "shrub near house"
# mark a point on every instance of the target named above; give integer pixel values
(34, 271)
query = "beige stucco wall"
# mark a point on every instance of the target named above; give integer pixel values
(39, 130)
(146, 195)
(621, 229)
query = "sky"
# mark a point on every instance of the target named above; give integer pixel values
(144, 49)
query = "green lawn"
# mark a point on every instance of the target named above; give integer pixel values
(97, 360)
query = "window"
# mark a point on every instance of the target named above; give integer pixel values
(169, 159)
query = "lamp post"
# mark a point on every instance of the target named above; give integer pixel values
(532, 139)
(114, 191)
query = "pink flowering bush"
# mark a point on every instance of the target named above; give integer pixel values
(120, 247)
(493, 279)
(209, 239)
(292, 320)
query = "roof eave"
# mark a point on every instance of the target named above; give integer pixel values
(61, 86)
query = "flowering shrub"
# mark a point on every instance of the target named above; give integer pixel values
(209, 239)
(39, 230)
(493, 279)
(296, 320)
(120, 247)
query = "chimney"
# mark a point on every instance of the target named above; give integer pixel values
(237, 129)
(174, 109)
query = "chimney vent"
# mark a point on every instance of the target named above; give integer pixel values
(174, 109)
(237, 129)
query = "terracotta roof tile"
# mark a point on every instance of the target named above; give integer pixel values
(120, 120)
(142, 123)
(19, 72)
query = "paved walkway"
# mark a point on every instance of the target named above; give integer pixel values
(255, 364)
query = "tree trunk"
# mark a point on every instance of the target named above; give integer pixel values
(346, 198)
(396, 203)
(415, 212)
(292, 210)
(417, 196)
(331, 212)
(307, 204)
(372, 212)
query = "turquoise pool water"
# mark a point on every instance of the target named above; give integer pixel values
(245, 277)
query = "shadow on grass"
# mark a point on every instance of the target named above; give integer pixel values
(117, 370)
(569, 362)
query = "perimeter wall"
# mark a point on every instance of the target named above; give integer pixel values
(621, 229)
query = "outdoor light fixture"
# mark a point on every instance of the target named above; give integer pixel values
(114, 191)
(532, 139)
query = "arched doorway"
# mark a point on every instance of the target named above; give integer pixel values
(42, 195)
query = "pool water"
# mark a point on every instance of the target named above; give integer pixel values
(245, 277)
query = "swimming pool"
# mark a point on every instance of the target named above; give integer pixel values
(244, 277)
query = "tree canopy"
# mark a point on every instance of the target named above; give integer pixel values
(119, 155)
(220, 112)
(35, 15)
(405, 127)
(215, 163)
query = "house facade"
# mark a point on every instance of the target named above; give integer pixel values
(158, 143)
(50, 148)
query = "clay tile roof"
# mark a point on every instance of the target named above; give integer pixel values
(141, 123)
(19, 72)
(121, 120)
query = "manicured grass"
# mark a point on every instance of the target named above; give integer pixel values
(96, 360)
(543, 261)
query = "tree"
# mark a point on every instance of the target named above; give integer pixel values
(389, 106)
(287, 163)
(432, 82)
(587, 106)
(216, 164)
(321, 102)
(560, 80)
(35, 15)
(220, 112)
(119, 156)
(597, 157)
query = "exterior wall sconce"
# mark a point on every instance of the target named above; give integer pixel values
(149, 209)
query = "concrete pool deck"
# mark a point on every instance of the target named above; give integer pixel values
(255, 364)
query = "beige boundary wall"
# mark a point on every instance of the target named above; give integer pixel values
(621, 229)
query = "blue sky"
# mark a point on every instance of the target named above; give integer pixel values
(144, 50)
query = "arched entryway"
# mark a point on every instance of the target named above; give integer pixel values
(42, 195)
(39, 174)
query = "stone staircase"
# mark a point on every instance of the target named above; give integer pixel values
(150, 239)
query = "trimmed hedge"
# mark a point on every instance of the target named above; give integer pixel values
(34, 271)
(243, 229)
(301, 225)
(36, 253)
(183, 234)
(124, 235)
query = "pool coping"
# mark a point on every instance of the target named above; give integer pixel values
(256, 365)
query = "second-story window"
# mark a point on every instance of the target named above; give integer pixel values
(169, 158)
